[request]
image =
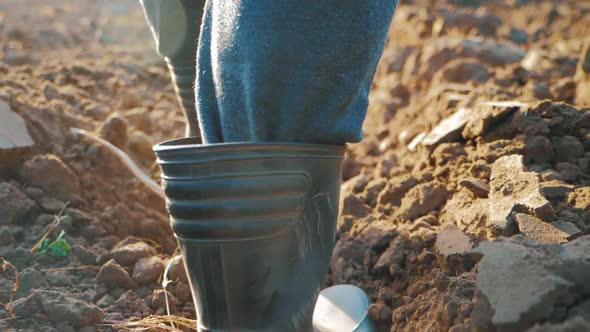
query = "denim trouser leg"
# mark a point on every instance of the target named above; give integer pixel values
(175, 25)
(278, 70)
(288, 70)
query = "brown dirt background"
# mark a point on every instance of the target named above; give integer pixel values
(465, 207)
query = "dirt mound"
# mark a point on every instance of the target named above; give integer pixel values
(465, 208)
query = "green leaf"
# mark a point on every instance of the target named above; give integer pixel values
(60, 247)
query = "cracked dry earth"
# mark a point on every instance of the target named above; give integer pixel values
(465, 207)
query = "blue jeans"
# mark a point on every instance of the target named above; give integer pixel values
(278, 70)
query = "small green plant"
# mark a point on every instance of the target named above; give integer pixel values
(58, 248)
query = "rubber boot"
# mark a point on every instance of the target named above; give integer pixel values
(182, 73)
(256, 224)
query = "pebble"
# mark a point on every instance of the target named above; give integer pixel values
(422, 199)
(539, 230)
(14, 205)
(60, 308)
(476, 186)
(567, 149)
(29, 279)
(114, 130)
(113, 275)
(555, 189)
(352, 205)
(148, 270)
(511, 186)
(16, 141)
(129, 254)
(451, 247)
(49, 173)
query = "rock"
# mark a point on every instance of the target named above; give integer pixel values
(114, 130)
(567, 149)
(392, 259)
(569, 172)
(422, 199)
(356, 184)
(113, 275)
(352, 205)
(130, 100)
(148, 269)
(550, 175)
(6, 237)
(571, 217)
(447, 152)
(385, 166)
(182, 292)
(177, 270)
(555, 189)
(539, 230)
(463, 71)
(451, 247)
(438, 52)
(580, 198)
(524, 282)
(380, 312)
(27, 306)
(160, 297)
(513, 189)
(14, 205)
(348, 259)
(537, 149)
(572, 324)
(141, 144)
(373, 189)
(485, 115)
(467, 21)
(15, 140)
(140, 118)
(86, 256)
(63, 327)
(491, 52)
(17, 59)
(29, 279)
(128, 254)
(61, 308)
(539, 90)
(564, 90)
(518, 36)
(449, 129)
(97, 112)
(350, 167)
(58, 279)
(49, 173)
(51, 204)
(476, 186)
(568, 228)
(130, 302)
(378, 234)
(396, 189)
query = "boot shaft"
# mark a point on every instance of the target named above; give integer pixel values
(256, 224)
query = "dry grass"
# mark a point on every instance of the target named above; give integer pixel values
(155, 323)
(11, 273)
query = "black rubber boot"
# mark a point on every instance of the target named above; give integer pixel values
(182, 73)
(256, 223)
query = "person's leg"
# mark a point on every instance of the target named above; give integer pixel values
(256, 220)
(288, 70)
(175, 25)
